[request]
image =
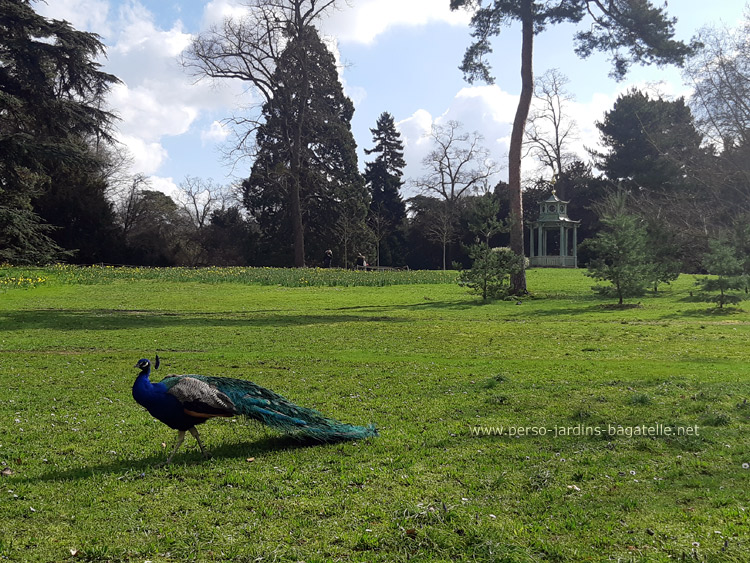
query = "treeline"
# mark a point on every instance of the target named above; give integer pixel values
(65, 194)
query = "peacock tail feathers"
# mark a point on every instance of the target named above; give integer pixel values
(224, 396)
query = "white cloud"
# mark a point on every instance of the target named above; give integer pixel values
(216, 133)
(157, 98)
(165, 185)
(218, 10)
(490, 111)
(371, 18)
(145, 115)
(86, 15)
(147, 156)
(487, 110)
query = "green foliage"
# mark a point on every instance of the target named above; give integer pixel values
(627, 31)
(649, 142)
(484, 218)
(491, 268)
(722, 261)
(663, 254)
(620, 252)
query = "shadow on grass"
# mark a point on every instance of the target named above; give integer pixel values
(115, 319)
(427, 305)
(136, 469)
(708, 313)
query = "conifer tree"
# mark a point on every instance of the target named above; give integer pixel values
(620, 251)
(329, 181)
(722, 261)
(383, 179)
(51, 94)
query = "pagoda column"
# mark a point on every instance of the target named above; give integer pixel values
(562, 243)
(542, 246)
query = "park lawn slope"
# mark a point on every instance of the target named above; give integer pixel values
(522, 430)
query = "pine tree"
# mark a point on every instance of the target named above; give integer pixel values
(620, 251)
(722, 261)
(383, 179)
(490, 271)
(328, 174)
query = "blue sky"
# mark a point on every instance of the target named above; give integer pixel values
(400, 56)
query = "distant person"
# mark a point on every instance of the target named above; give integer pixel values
(361, 261)
(327, 258)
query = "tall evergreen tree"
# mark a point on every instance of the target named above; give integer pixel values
(51, 94)
(328, 174)
(251, 47)
(620, 250)
(383, 177)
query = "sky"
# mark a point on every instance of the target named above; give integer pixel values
(399, 56)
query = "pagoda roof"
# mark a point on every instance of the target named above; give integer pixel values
(554, 199)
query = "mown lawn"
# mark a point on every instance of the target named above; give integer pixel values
(427, 363)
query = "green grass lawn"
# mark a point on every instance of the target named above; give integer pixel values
(431, 366)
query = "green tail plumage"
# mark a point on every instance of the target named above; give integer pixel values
(272, 409)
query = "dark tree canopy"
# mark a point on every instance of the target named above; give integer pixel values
(629, 31)
(328, 161)
(51, 95)
(651, 143)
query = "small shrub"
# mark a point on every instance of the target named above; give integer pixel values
(490, 271)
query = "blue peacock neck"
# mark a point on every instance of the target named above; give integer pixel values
(142, 387)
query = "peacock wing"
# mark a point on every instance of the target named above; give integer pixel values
(198, 397)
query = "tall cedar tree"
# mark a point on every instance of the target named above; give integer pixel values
(250, 47)
(328, 174)
(383, 178)
(629, 31)
(51, 94)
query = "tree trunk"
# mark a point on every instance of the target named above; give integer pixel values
(298, 232)
(298, 229)
(518, 281)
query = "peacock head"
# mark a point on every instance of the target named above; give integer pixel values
(144, 365)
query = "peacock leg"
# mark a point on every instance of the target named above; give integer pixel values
(180, 439)
(194, 432)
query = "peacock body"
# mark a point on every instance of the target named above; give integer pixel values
(184, 401)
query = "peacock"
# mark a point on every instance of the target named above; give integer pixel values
(184, 401)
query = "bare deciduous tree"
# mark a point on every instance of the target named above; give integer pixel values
(199, 198)
(442, 227)
(128, 202)
(720, 73)
(457, 165)
(549, 129)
